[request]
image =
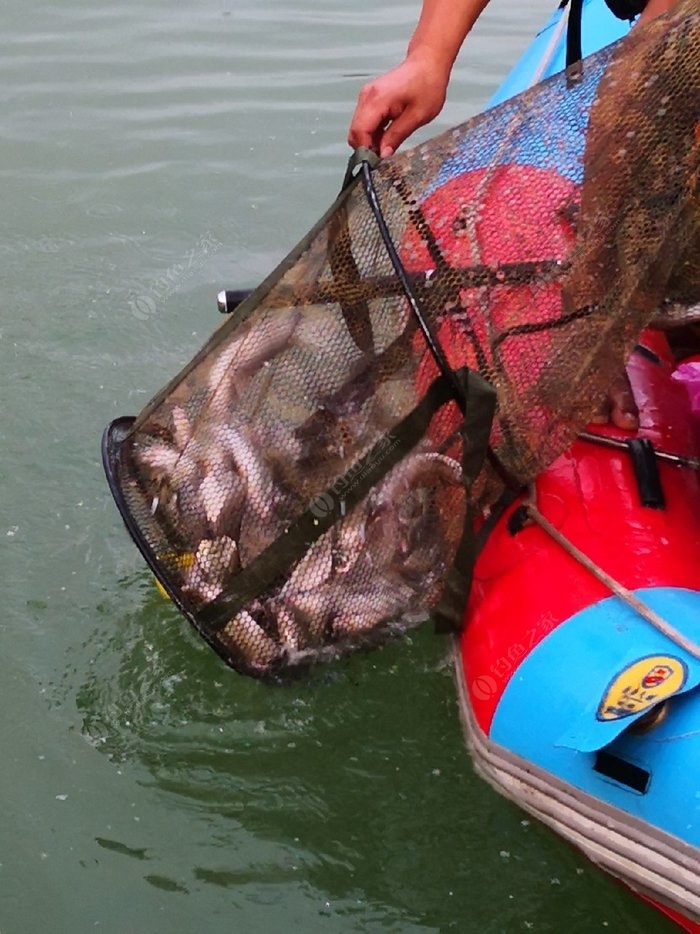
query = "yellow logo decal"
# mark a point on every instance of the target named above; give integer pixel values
(642, 685)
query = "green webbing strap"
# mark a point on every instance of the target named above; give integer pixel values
(271, 567)
(449, 612)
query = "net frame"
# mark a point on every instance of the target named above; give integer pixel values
(474, 377)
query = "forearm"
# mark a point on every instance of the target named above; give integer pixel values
(392, 106)
(442, 28)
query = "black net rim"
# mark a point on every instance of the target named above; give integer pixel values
(113, 438)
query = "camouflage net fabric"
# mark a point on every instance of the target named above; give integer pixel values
(308, 483)
(638, 244)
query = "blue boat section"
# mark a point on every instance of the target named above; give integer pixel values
(553, 136)
(598, 28)
(554, 707)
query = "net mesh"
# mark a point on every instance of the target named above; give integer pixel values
(309, 481)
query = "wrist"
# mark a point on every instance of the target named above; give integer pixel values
(434, 61)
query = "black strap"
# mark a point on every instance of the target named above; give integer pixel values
(626, 9)
(436, 351)
(414, 303)
(574, 51)
(622, 9)
(449, 613)
(646, 473)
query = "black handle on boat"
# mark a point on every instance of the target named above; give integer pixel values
(374, 287)
(680, 460)
(229, 299)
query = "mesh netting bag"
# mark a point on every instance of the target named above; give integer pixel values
(638, 245)
(311, 480)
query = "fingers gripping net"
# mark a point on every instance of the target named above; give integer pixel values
(308, 482)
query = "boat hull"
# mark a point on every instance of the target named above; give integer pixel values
(574, 705)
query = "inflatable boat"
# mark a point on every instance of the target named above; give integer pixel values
(577, 668)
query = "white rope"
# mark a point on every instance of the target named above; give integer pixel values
(645, 611)
(552, 46)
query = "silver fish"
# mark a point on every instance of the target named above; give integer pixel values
(360, 611)
(182, 427)
(159, 459)
(386, 556)
(288, 628)
(248, 640)
(248, 463)
(268, 506)
(162, 464)
(214, 562)
(315, 583)
(420, 469)
(256, 344)
(180, 495)
(400, 504)
(341, 607)
(223, 499)
(314, 569)
(313, 609)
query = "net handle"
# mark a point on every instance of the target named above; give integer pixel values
(458, 391)
(360, 156)
(458, 388)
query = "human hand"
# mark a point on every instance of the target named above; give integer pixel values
(392, 106)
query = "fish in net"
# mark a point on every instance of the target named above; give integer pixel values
(311, 481)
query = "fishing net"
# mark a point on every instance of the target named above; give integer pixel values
(638, 244)
(310, 482)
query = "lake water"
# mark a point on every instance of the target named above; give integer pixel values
(145, 787)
